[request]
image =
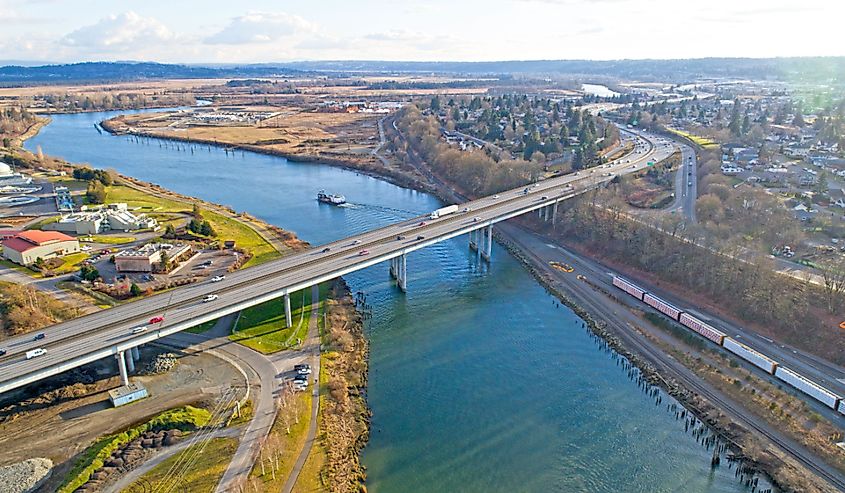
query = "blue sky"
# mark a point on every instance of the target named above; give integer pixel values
(274, 31)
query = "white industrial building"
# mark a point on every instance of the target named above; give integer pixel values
(113, 217)
(8, 177)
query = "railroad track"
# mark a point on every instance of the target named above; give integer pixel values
(664, 362)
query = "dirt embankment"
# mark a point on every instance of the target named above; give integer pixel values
(345, 415)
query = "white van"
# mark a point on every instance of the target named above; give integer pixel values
(34, 353)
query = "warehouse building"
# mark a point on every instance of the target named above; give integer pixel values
(148, 257)
(28, 246)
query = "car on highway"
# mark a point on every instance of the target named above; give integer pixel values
(39, 336)
(580, 277)
(2, 352)
(842, 326)
(465, 209)
(356, 242)
(420, 237)
(363, 252)
(422, 223)
(156, 320)
(400, 237)
(302, 369)
(34, 353)
(476, 219)
(325, 250)
(544, 197)
(210, 298)
(495, 196)
(139, 329)
(217, 278)
(689, 183)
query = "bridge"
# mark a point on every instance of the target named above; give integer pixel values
(109, 333)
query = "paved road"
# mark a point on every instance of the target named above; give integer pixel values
(312, 349)
(686, 185)
(99, 335)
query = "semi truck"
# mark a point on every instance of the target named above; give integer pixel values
(444, 211)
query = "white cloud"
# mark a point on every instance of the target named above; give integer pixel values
(261, 27)
(119, 33)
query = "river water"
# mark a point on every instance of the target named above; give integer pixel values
(479, 381)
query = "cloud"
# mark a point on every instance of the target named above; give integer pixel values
(261, 27)
(120, 32)
(414, 39)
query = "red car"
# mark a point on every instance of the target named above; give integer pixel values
(156, 320)
(422, 223)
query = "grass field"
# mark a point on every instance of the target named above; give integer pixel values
(263, 328)
(212, 458)
(71, 264)
(291, 444)
(203, 327)
(147, 203)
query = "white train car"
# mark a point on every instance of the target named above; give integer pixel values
(662, 306)
(702, 328)
(750, 355)
(628, 287)
(807, 386)
(842, 407)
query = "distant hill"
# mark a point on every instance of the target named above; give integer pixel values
(793, 69)
(125, 71)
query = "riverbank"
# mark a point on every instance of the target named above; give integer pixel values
(366, 165)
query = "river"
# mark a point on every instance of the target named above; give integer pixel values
(479, 380)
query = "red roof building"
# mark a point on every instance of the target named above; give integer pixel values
(26, 247)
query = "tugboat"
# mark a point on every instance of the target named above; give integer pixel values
(332, 199)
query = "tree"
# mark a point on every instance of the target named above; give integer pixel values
(435, 104)
(135, 290)
(833, 275)
(89, 273)
(206, 229)
(164, 262)
(798, 120)
(169, 231)
(821, 184)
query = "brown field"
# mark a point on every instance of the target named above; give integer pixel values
(145, 87)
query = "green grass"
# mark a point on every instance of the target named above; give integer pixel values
(263, 327)
(212, 459)
(107, 239)
(23, 270)
(291, 444)
(203, 327)
(43, 222)
(147, 202)
(184, 418)
(71, 264)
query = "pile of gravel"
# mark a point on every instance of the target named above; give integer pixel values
(23, 476)
(162, 363)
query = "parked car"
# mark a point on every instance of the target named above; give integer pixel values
(300, 386)
(156, 320)
(210, 298)
(301, 378)
(217, 278)
(303, 369)
(39, 336)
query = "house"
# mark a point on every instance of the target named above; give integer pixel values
(27, 247)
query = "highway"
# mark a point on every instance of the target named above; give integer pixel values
(686, 185)
(99, 335)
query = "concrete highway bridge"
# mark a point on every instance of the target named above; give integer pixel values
(110, 333)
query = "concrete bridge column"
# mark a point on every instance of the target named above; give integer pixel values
(403, 273)
(121, 365)
(136, 353)
(288, 315)
(130, 362)
(554, 214)
(488, 243)
(473, 243)
(393, 273)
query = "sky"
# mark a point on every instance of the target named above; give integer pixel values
(214, 31)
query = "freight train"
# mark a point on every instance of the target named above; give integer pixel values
(770, 366)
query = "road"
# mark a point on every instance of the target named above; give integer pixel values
(102, 334)
(686, 185)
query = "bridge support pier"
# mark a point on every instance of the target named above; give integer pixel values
(288, 315)
(473, 243)
(399, 270)
(487, 243)
(136, 353)
(121, 365)
(554, 214)
(130, 361)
